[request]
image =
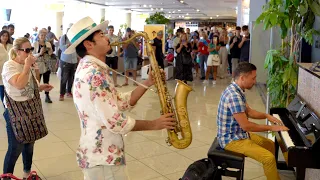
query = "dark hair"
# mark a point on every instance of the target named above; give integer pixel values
(49, 28)
(27, 35)
(244, 68)
(217, 39)
(81, 49)
(5, 32)
(110, 27)
(238, 28)
(245, 28)
(4, 27)
(10, 26)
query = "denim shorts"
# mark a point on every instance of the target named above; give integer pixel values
(130, 63)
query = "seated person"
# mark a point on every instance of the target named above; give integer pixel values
(234, 128)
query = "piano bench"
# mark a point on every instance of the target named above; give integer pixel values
(224, 159)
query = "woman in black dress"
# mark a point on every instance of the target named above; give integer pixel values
(184, 60)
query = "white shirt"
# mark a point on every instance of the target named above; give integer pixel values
(100, 108)
(113, 39)
(4, 56)
(10, 69)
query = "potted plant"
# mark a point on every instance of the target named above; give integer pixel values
(295, 18)
(157, 18)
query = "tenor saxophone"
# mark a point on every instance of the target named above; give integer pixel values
(181, 136)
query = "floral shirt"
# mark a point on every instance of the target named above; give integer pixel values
(100, 108)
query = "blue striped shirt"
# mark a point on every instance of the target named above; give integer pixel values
(68, 58)
(232, 101)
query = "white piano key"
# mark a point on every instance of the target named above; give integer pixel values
(287, 139)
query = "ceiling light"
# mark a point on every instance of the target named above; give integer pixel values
(182, 16)
(179, 16)
(150, 5)
(151, 9)
(210, 17)
(187, 14)
(169, 16)
(198, 10)
(161, 9)
(173, 11)
(169, 12)
(217, 15)
(181, 1)
(179, 10)
(144, 5)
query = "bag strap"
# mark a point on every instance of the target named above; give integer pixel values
(9, 175)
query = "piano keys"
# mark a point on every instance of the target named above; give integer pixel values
(301, 144)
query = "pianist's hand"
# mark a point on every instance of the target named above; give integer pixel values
(274, 120)
(279, 128)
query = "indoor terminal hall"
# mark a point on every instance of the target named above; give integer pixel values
(159, 90)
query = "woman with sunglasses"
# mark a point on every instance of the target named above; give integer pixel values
(20, 76)
(5, 47)
(43, 51)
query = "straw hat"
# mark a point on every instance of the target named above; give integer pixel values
(80, 30)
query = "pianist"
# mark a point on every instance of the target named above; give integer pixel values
(234, 128)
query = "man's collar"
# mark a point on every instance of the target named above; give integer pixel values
(96, 61)
(237, 87)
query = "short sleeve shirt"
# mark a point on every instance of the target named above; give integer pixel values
(232, 101)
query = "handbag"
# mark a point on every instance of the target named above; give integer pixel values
(42, 63)
(216, 58)
(26, 117)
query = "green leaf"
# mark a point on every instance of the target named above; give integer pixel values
(288, 2)
(260, 18)
(296, 3)
(303, 9)
(273, 19)
(315, 7)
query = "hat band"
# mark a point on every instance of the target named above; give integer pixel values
(82, 32)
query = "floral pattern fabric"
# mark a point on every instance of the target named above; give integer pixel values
(100, 109)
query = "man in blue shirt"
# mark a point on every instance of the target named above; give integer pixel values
(234, 128)
(68, 64)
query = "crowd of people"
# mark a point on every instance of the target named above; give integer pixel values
(216, 53)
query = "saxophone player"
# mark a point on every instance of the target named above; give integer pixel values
(100, 106)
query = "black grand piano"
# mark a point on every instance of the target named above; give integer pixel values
(301, 144)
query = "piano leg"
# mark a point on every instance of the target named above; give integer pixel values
(281, 165)
(300, 173)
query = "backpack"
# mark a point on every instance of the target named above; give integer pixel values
(203, 169)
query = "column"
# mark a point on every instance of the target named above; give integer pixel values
(239, 13)
(243, 12)
(128, 19)
(102, 14)
(59, 23)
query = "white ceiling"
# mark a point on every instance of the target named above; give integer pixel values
(215, 9)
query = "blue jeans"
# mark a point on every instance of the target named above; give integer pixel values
(14, 150)
(2, 93)
(203, 62)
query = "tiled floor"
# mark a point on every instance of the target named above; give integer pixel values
(148, 157)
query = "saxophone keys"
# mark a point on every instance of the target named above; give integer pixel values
(168, 142)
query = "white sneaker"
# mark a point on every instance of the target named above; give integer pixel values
(214, 82)
(205, 82)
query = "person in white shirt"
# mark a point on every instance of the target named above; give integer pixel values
(5, 47)
(101, 153)
(19, 75)
(112, 59)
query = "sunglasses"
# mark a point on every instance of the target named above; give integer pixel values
(27, 50)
